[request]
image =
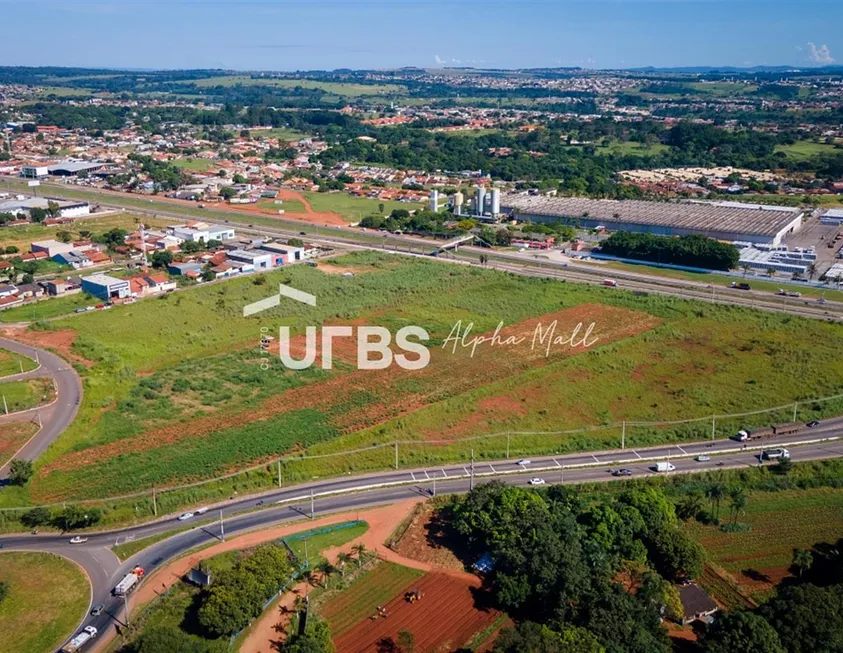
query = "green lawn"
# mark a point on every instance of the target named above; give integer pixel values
(47, 308)
(12, 363)
(196, 165)
(288, 206)
(351, 208)
(362, 597)
(804, 150)
(48, 597)
(281, 133)
(334, 88)
(318, 542)
(23, 395)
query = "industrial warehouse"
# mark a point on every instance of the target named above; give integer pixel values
(729, 221)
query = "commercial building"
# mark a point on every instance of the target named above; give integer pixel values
(26, 204)
(832, 216)
(258, 259)
(778, 258)
(728, 221)
(34, 170)
(202, 232)
(72, 168)
(105, 287)
(51, 247)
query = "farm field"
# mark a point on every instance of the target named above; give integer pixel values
(281, 133)
(196, 165)
(804, 150)
(13, 435)
(170, 407)
(779, 522)
(334, 88)
(23, 395)
(12, 363)
(445, 618)
(359, 601)
(48, 595)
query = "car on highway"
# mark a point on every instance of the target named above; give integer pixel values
(185, 516)
(78, 540)
(775, 454)
(702, 459)
(201, 511)
(623, 471)
(524, 461)
(536, 481)
(812, 424)
(98, 609)
(740, 286)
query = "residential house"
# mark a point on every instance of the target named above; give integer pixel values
(184, 268)
(7, 290)
(50, 247)
(28, 290)
(696, 604)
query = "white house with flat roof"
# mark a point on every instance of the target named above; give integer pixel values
(106, 287)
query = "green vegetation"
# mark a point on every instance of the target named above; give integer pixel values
(349, 207)
(12, 436)
(12, 363)
(349, 90)
(23, 395)
(47, 596)
(128, 549)
(806, 150)
(281, 133)
(318, 541)
(48, 309)
(692, 251)
(369, 590)
(196, 165)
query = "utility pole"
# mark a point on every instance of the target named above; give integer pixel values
(222, 527)
(795, 406)
(396, 454)
(126, 606)
(312, 509)
(434, 484)
(5, 405)
(306, 562)
(562, 474)
(20, 361)
(507, 446)
(39, 421)
(279, 472)
(472, 469)
(713, 426)
(623, 435)
(154, 503)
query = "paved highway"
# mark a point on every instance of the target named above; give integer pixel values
(54, 418)
(278, 506)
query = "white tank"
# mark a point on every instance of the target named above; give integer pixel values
(459, 200)
(434, 200)
(480, 198)
(495, 209)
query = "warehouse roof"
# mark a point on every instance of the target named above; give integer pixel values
(75, 166)
(104, 280)
(729, 217)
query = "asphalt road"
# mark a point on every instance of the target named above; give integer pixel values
(295, 503)
(54, 418)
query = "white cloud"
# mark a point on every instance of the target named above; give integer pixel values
(820, 54)
(439, 59)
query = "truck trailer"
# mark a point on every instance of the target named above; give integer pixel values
(769, 431)
(80, 640)
(129, 582)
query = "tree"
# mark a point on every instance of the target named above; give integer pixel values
(53, 209)
(317, 639)
(741, 631)
(359, 550)
(406, 641)
(746, 268)
(20, 471)
(4, 590)
(37, 214)
(807, 618)
(716, 493)
(38, 516)
(161, 258)
(165, 639)
(64, 236)
(343, 559)
(529, 637)
(227, 192)
(326, 569)
(73, 517)
(738, 500)
(803, 559)
(295, 242)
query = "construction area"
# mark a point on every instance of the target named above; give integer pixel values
(728, 221)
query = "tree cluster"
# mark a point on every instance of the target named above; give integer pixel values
(693, 250)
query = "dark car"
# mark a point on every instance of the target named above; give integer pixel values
(813, 424)
(622, 472)
(98, 609)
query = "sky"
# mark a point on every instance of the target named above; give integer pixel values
(287, 35)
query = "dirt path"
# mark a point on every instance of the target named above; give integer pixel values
(382, 522)
(309, 215)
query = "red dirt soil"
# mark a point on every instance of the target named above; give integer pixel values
(331, 219)
(58, 341)
(436, 382)
(445, 618)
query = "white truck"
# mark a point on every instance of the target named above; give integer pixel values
(129, 582)
(664, 467)
(80, 640)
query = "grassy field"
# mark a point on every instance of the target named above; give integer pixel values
(23, 395)
(349, 207)
(13, 436)
(47, 308)
(48, 596)
(779, 522)
(334, 88)
(269, 206)
(281, 133)
(804, 150)
(12, 363)
(196, 165)
(317, 542)
(364, 594)
(21, 236)
(169, 407)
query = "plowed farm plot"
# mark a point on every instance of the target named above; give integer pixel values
(446, 617)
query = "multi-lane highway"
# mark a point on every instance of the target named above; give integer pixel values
(54, 418)
(104, 569)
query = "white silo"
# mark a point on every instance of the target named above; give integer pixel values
(434, 200)
(480, 200)
(459, 200)
(496, 202)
